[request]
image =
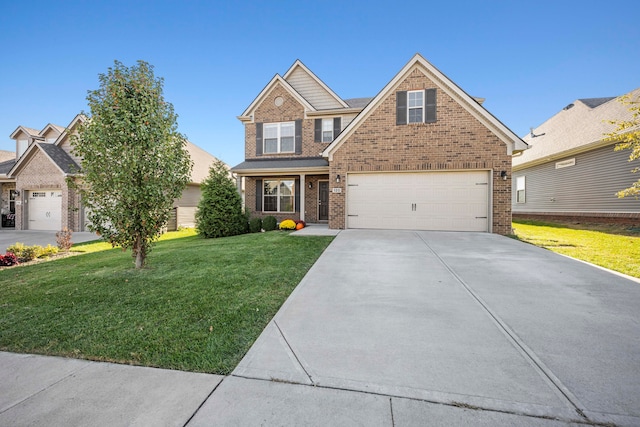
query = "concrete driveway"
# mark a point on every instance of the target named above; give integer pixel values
(9, 237)
(388, 328)
(448, 327)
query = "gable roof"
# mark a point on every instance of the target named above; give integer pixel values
(247, 115)
(57, 155)
(511, 140)
(578, 127)
(312, 88)
(34, 133)
(51, 126)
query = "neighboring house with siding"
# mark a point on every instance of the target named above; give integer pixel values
(35, 192)
(422, 154)
(571, 171)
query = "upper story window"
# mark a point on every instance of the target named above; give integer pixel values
(416, 106)
(279, 137)
(326, 130)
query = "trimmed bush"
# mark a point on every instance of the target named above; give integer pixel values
(48, 251)
(63, 239)
(8, 259)
(288, 224)
(219, 211)
(25, 253)
(255, 225)
(269, 223)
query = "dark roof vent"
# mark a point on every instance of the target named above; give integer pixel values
(568, 107)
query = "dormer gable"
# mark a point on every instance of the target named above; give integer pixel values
(24, 138)
(51, 132)
(314, 90)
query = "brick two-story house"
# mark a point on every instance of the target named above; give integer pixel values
(420, 155)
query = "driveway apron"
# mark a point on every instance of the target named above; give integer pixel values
(468, 320)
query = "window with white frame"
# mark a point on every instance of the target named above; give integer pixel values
(327, 130)
(520, 190)
(279, 137)
(278, 195)
(415, 106)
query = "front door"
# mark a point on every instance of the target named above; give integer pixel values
(323, 200)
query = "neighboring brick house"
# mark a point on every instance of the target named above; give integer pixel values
(35, 192)
(572, 171)
(420, 155)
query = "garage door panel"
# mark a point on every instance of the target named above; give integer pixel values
(452, 201)
(44, 210)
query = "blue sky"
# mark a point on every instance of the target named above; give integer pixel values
(529, 59)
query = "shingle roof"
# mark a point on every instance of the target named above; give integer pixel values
(61, 158)
(297, 163)
(358, 102)
(578, 126)
(595, 102)
(6, 166)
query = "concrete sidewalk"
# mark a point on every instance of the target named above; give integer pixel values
(387, 328)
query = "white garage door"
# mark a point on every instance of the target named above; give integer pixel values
(447, 201)
(45, 210)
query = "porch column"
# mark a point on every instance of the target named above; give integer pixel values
(303, 187)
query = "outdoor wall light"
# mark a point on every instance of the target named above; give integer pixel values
(17, 193)
(310, 185)
(337, 178)
(503, 175)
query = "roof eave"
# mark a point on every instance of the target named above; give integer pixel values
(281, 171)
(562, 154)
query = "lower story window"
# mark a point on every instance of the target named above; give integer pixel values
(520, 190)
(278, 195)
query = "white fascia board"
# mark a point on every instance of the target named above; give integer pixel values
(247, 116)
(283, 171)
(299, 63)
(79, 118)
(562, 154)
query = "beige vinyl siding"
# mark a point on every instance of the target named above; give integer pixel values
(190, 196)
(589, 186)
(312, 91)
(346, 119)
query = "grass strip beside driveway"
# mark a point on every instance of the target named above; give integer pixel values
(607, 246)
(198, 306)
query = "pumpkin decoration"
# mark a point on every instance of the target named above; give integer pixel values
(299, 226)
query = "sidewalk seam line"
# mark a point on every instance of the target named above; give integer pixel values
(203, 402)
(293, 352)
(433, 402)
(515, 340)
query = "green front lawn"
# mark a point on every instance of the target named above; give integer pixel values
(199, 305)
(612, 247)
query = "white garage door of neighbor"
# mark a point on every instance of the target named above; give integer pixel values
(45, 210)
(445, 201)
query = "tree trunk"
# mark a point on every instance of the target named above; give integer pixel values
(139, 252)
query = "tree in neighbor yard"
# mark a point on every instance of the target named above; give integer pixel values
(627, 134)
(219, 211)
(134, 161)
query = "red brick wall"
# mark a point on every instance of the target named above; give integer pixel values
(290, 110)
(456, 141)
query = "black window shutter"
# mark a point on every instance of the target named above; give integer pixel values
(430, 106)
(337, 127)
(317, 130)
(259, 191)
(401, 107)
(258, 139)
(298, 136)
(297, 195)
